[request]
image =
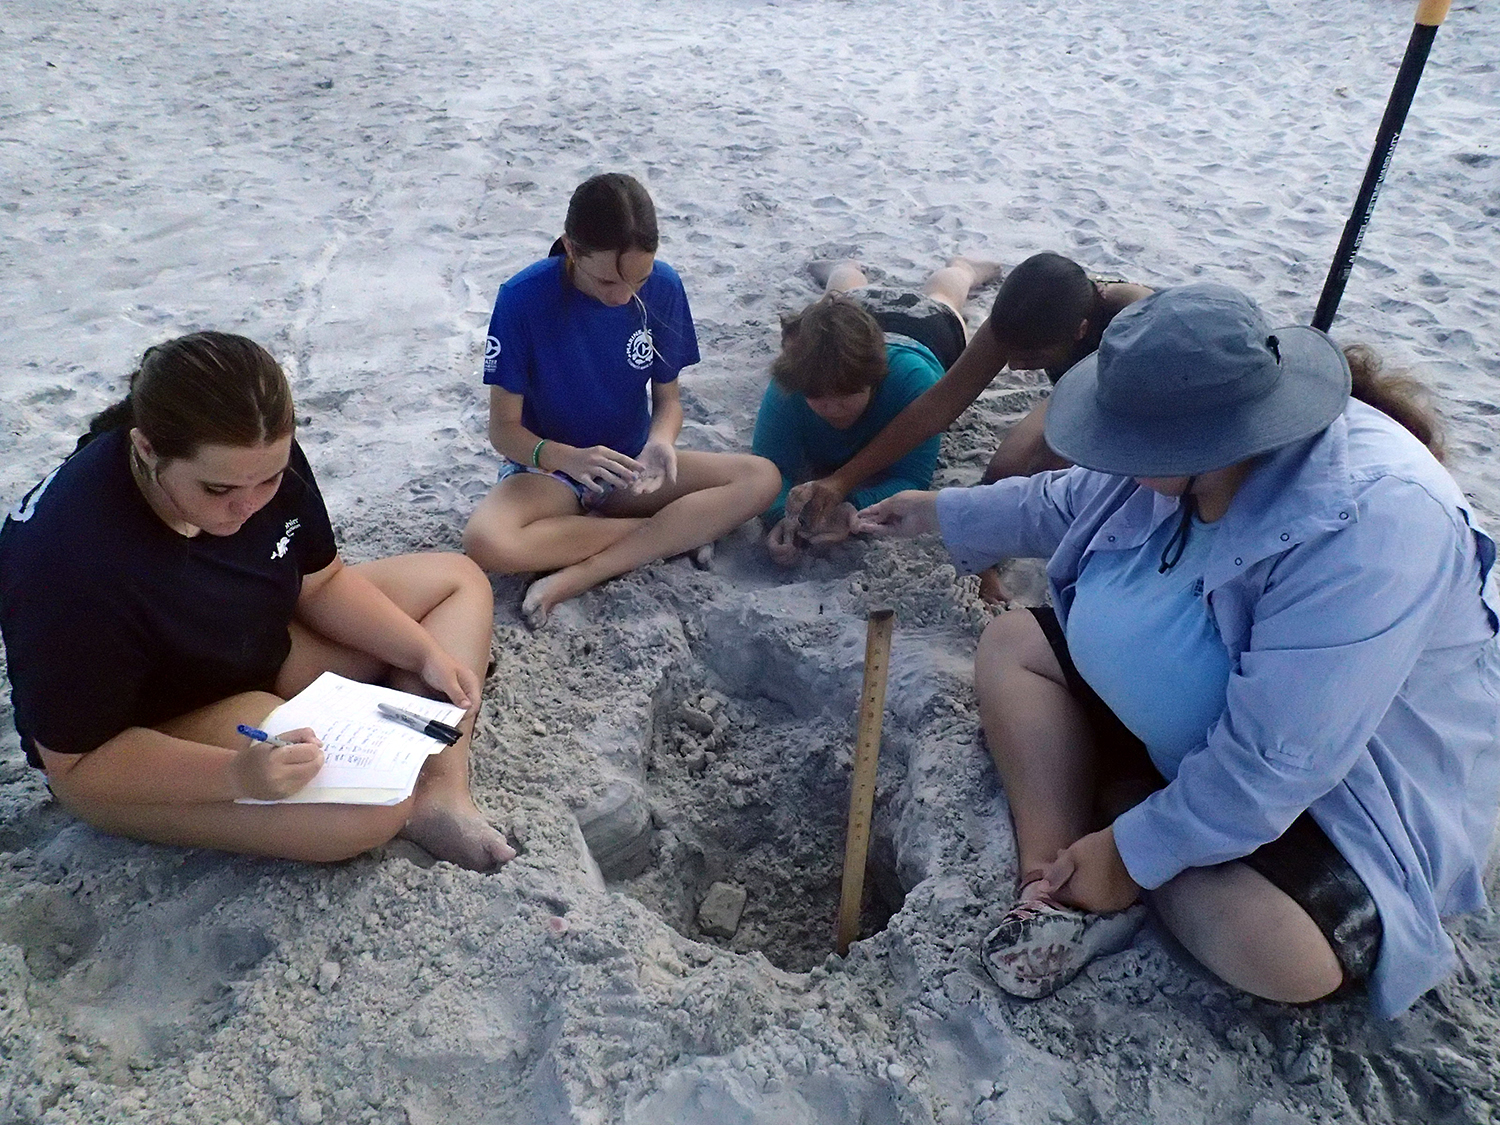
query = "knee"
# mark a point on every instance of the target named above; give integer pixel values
(1249, 934)
(465, 574)
(259, 703)
(369, 827)
(468, 583)
(492, 548)
(1000, 644)
(764, 480)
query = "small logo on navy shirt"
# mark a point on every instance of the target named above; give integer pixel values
(639, 349)
(26, 506)
(290, 528)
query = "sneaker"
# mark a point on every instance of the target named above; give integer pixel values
(1040, 946)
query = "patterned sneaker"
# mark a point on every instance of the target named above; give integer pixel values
(1040, 946)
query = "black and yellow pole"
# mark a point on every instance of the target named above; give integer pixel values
(1430, 13)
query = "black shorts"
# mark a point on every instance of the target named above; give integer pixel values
(1302, 862)
(927, 321)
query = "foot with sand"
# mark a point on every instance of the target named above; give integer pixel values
(447, 824)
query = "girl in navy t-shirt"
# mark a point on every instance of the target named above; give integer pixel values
(177, 577)
(574, 343)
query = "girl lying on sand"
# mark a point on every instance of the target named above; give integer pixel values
(849, 363)
(1278, 591)
(592, 484)
(176, 577)
(1048, 315)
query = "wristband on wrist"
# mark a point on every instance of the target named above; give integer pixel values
(536, 454)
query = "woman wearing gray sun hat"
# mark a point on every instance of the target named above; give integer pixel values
(1266, 696)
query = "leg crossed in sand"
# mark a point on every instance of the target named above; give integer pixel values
(451, 599)
(1240, 925)
(532, 522)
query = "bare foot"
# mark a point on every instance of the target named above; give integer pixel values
(982, 270)
(837, 274)
(540, 598)
(453, 829)
(992, 590)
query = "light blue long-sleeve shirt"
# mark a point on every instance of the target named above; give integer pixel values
(1356, 602)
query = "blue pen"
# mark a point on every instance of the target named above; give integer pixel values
(255, 734)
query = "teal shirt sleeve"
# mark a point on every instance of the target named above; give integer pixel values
(779, 439)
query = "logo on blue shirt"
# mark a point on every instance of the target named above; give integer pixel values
(26, 506)
(639, 349)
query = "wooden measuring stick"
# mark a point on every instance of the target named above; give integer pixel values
(866, 759)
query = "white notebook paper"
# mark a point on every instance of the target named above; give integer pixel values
(368, 759)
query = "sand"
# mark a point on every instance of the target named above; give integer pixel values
(349, 183)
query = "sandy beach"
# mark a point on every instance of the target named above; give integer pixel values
(349, 184)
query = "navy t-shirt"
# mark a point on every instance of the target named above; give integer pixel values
(582, 365)
(113, 620)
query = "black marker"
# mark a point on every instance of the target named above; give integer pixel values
(430, 727)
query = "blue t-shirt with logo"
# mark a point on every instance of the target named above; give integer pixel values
(581, 365)
(113, 620)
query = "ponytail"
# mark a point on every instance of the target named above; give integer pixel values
(114, 417)
(1396, 394)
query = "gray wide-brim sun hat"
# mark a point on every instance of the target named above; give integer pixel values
(1191, 379)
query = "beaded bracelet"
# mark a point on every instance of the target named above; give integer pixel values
(536, 454)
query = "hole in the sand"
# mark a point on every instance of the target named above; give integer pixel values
(749, 805)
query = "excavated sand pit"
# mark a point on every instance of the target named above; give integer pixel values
(745, 794)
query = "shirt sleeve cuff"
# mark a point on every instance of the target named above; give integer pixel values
(954, 516)
(1141, 842)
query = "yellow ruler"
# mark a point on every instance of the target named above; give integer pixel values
(866, 760)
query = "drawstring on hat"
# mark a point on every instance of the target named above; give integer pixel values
(1171, 554)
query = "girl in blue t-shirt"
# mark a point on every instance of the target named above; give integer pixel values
(575, 341)
(177, 577)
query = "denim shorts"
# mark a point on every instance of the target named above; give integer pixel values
(587, 497)
(1302, 862)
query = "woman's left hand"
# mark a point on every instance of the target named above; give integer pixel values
(1090, 875)
(658, 467)
(902, 516)
(455, 680)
